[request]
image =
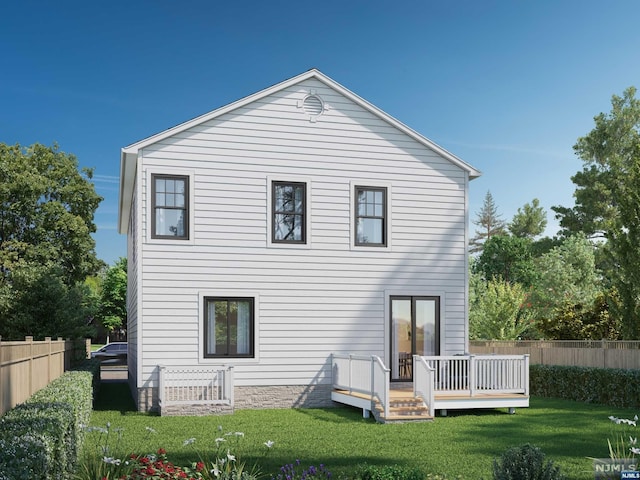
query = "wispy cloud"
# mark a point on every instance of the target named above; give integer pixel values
(106, 179)
(513, 148)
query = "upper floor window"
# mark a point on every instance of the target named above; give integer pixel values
(289, 212)
(170, 205)
(229, 327)
(371, 216)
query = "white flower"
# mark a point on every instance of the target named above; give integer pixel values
(219, 440)
(269, 443)
(150, 430)
(635, 450)
(633, 441)
(239, 434)
(232, 458)
(219, 428)
(111, 460)
(215, 471)
(152, 457)
(188, 441)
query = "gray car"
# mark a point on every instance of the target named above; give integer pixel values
(112, 352)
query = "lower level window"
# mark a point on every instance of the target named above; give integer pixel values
(228, 327)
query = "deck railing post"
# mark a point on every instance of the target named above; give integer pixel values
(373, 377)
(161, 371)
(526, 374)
(472, 375)
(228, 385)
(350, 373)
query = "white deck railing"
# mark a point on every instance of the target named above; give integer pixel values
(195, 385)
(475, 374)
(362, 374)
(424, 381)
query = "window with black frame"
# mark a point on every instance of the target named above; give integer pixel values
(229, 327)
(289, 212)
(370, 216)
(170, 204)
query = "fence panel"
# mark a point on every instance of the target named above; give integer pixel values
(28, 366)
(581, 353)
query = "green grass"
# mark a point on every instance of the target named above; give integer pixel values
(463, 444)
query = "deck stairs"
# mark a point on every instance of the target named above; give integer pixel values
(403, 408)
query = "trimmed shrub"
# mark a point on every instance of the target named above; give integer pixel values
(46, 432)
(388, 472)
(606, 386)
(525, 463)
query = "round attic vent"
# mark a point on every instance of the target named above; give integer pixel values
(313, 105)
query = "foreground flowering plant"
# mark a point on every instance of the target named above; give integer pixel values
(158, 467)
(621, 449)
(224, 464)
(296, 472)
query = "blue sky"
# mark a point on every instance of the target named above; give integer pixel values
(508, 86)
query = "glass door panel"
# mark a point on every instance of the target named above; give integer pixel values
(400, 338)
(414, 331)
(425, 327)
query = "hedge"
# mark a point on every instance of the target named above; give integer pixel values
(606, 386)
(40, 439)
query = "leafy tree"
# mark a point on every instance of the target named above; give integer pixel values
(489, 222)
(113, 297)
(529, 221)
(507, 258)
(497, 311)
(607, 200)
(39, 303)
(576, 321)
(566, 276)
(46, 212)
(47, 207)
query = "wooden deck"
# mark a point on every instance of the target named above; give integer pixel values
(403, 406)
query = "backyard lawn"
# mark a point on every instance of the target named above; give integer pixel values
(463, 444)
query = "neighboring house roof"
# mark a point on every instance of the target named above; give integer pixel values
(130, 153)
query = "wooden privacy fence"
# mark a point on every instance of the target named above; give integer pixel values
(580, 353)
(26, 367)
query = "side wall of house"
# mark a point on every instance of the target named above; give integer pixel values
(327, 296)
(132, 294)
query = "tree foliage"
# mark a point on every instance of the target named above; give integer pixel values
(566, 275)
(113, 296)
(497, 311)
(47, 206)
(529, 221)
(507, 258)
(490, 223)
(607, 200)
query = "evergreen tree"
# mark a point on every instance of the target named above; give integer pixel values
(490, 223)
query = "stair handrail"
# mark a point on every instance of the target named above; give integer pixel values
(424, 380)
(380, 376)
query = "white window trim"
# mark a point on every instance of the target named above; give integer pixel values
(352, 215)
(149, 172)
(256, 328)
(307, 214)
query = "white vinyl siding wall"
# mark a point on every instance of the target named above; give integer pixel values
(328, 298)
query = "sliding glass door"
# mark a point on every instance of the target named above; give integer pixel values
(415, 330)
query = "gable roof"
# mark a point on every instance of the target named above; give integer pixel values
(129, 156)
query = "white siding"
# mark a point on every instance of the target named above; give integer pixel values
(312, 302)
(133, 307)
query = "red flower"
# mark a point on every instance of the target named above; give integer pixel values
(162, 451)
(199, 466)
(182, 475)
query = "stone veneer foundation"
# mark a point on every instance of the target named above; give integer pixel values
(285, 396)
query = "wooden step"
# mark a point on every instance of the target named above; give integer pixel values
(406, 409)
